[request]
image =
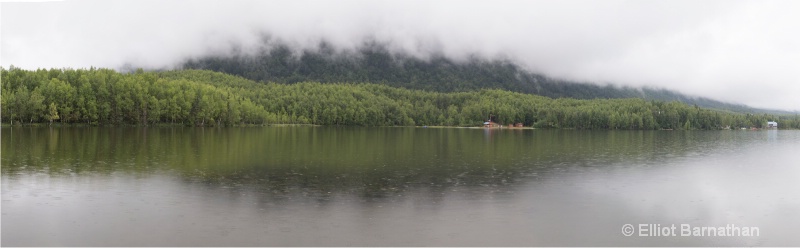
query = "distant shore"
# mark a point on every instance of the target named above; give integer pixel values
(4, 125)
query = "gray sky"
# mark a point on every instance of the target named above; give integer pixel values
(736, 51)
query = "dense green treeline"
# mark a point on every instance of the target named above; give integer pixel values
(205, 98)
(103, 96)
(373, 62)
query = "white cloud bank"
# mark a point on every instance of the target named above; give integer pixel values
(736, 51)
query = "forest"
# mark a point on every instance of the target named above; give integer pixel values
(373, 62)
(205, 98)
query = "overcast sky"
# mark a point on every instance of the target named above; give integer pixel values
(736, 51)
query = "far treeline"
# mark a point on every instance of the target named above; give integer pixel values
(206, 98)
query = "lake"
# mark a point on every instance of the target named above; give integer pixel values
(397, 186)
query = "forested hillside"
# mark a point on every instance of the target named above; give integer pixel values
(205, 98)
(374, 63)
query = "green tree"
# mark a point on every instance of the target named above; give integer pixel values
(52, 113)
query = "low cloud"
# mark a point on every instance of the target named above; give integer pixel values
(735, 51)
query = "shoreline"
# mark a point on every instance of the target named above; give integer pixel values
(6, 125)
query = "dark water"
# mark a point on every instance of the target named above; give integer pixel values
(327, 186)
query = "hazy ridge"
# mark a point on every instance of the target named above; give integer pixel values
(375, 62)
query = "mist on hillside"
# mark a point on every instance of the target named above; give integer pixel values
(733, 51)
(375, 62)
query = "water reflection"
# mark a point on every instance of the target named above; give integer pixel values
(389, 186)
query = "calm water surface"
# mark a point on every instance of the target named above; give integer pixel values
(355, 186)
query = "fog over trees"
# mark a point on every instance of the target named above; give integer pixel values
(375, 62)
(734, 51)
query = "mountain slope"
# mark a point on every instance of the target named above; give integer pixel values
(374, 63)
